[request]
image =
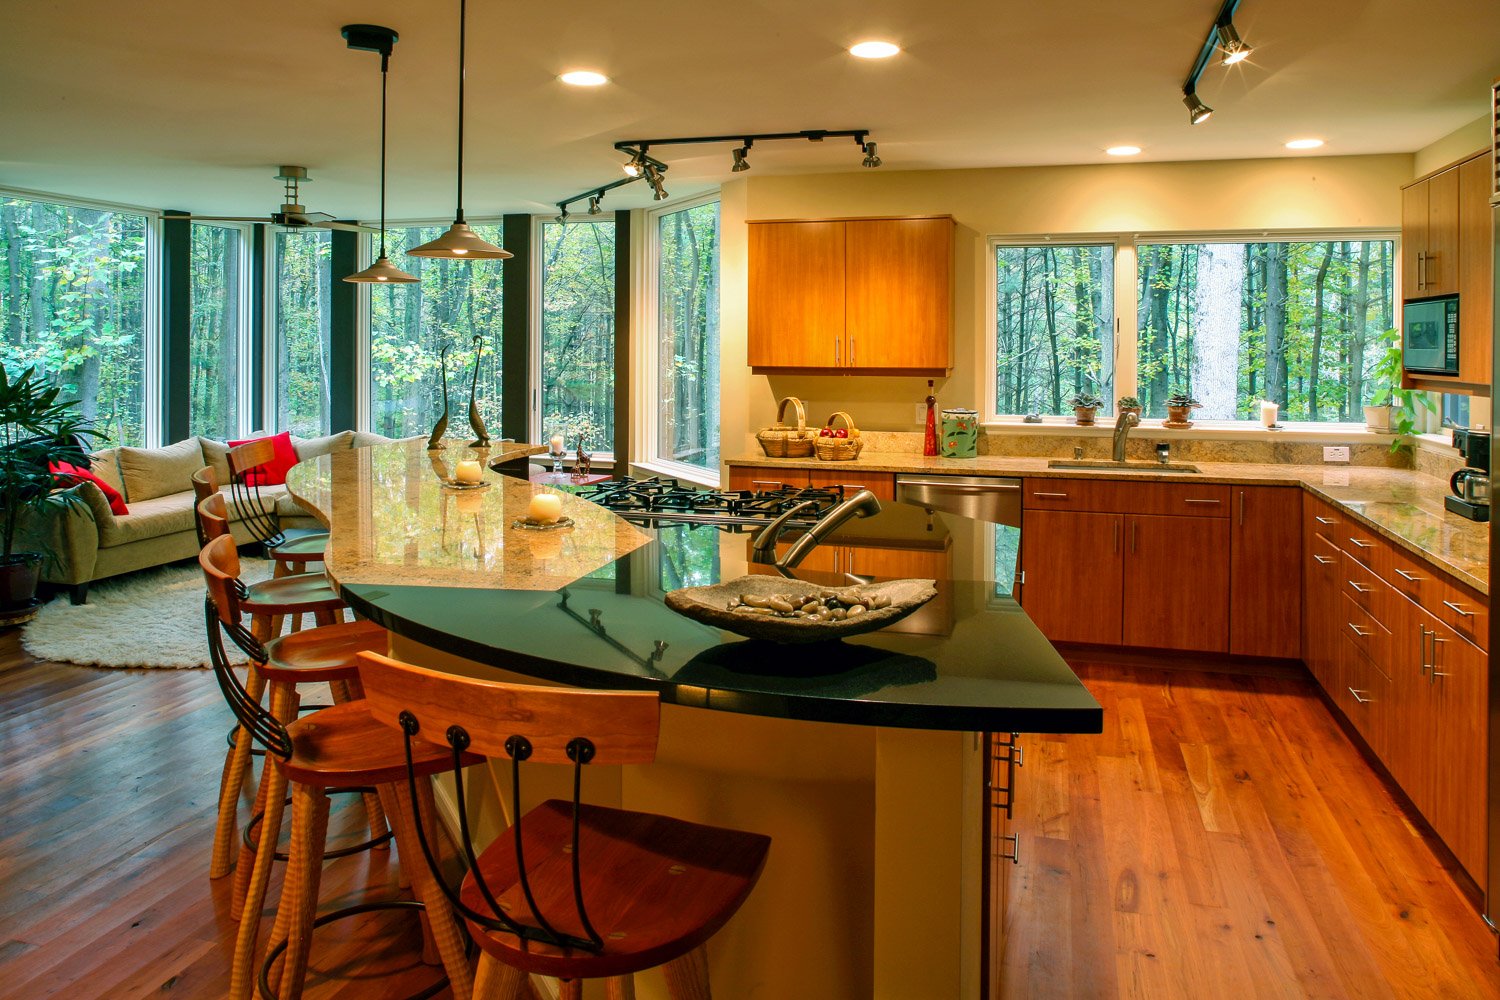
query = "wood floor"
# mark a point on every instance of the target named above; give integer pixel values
(1221, 839)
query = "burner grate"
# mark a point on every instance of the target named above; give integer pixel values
(661, 499)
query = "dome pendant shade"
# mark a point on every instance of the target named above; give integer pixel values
(460, 243)
(382, 272)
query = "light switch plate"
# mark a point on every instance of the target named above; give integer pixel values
(1336, 453)
(921, 416)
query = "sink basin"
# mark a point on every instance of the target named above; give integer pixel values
(1103, 465)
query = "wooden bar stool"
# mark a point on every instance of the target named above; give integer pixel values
(575, 891)
(339, 748)
(291, 548)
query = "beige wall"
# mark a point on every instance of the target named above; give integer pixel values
(1215, 196)
(1454, 146)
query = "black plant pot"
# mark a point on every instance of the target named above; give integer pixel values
(19, 576)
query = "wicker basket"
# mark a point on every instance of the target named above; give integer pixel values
(782, 441)
(832, 449)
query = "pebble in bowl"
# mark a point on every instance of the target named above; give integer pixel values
(781, 610)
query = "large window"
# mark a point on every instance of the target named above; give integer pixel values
(411, 324)
(215, 392)
(73, 301)
(1296, 323)
(1054, 326)
(578, 333)
(687, 337)
(301, 266)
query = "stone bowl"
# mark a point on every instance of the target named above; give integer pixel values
(710, 605)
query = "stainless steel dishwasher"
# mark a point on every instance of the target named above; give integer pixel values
(980, 498)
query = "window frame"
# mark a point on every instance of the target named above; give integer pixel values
(268, 372)
(1127, 333)
(644, 355)
(244, 336)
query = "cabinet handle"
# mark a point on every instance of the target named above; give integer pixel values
(852, 363)
(774, 484)
(1426, 666)
(1357, 543)
(1421, 269)
(1242, 508)
(1359, 631)
(1114, 535)
(1436, 673)
(1133, 525)
(1324, 520)
(837, 354)
(1190, 500)
(1358, 589)
(1014, 857)
(1322, 559)
(1458, 610)
(1362, 701)
(1409, 578)
(1051, 496)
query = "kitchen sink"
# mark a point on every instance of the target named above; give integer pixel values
(1104, 465)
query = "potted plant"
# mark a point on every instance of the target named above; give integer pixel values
(37, 431)
(1179, 404)
(1393, 410)
(1085, 405)
(1128, 404)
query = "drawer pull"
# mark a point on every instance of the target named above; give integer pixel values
(1324, 520)
(1051, 496)
(1358, 589)
(1408, 577)
(1324, 560)
(1190, 500)
(774, 484)
(1014, 857)
(1362, 701)
(1363, 634)
(1458, 610)
(1357, 543)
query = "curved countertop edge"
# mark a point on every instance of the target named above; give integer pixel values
(1309, 478)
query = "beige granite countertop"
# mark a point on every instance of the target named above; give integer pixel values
(393, 523)
(1401, 504)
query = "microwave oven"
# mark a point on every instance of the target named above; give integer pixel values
(1429, 335)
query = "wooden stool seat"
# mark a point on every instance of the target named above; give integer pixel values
(655, 887)
(344, 746)
(302, 549)
(325, 653)
(291, 595)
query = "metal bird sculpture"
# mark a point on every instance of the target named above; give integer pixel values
(481, 435)
(435, 439)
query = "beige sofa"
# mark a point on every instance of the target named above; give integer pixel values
(87, 542)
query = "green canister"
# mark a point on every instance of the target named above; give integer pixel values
(960, 433)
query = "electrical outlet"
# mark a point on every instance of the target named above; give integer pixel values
(921, 416)
(1336, 453)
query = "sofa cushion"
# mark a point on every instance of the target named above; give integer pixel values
(153, 518)
(67, 474)
(313, 447)
(157, 472)
(272, 473)
(216, 455)
(106, 465)
(363, 439)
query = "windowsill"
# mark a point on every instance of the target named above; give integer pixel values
(691, 474)
(1238, 430)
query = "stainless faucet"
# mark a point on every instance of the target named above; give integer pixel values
(861, 504)
(1123, 423)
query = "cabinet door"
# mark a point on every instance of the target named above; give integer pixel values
(1177, 582)
(1440, 272)
(899, 293)
(757, 478)
(1320, 643)
(937, 615)
(1413, 238)
(1265, 556)
(796, 305)
(1071, 567)
(1460, 697)
(1475, 274)
(1364, 696)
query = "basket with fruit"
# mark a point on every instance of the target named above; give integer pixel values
(838, 444)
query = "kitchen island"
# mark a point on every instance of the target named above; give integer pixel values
(861, 759)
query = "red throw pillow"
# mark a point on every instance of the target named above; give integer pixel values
(68, 474)
(273, 473)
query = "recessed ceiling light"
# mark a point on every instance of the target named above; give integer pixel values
(584, 78)
(1123, 150)
(874, 50)
(1304, 144)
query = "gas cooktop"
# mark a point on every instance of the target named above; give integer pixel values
(662, 500)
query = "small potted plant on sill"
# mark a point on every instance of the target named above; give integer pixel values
(37, 432)
(1128, 404)
(1393, 410)
(1085, 405)
(1179, 404)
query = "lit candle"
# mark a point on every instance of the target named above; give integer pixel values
(545, 508)
(467, 472)
(557, 443)
(1268, 413)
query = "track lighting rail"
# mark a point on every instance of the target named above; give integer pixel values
(1221, 36)
(745, 138)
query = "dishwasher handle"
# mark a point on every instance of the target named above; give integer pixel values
(963, 487)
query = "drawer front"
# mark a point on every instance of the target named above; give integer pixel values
(882, 484)
(1367, 547)
(1365, 634)
(758, 478)
(1414, 579)
(1207, 500)
(1465, 612)
(1366, 590)
(1322, 519)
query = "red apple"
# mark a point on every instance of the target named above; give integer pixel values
(825, 432)
(841, 433)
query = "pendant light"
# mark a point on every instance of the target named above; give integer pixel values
(382, 40)
(460, 242)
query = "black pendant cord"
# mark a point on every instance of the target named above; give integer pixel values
(463, 19)
(385, 62)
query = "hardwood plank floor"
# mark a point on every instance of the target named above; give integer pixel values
(1223, 838)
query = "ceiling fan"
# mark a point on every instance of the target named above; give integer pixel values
(293, 214)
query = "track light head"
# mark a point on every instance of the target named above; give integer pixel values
(1234, 47)
(871, 159)
(740, 165)
(562, 215)
(1198, 112)
(653, 177)
(594, 201)
(637, 163)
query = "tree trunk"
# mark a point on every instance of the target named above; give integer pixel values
(1274, 257)
(1319, 281)
(1216, 329)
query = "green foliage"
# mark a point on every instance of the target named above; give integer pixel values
(36, 429)
(302, 265)
(578, 327)
(1085, 401)
(1128, 403)
(688, 336)
(1181, 397)
(214, 334)
(1388, 372)
(1054, 325)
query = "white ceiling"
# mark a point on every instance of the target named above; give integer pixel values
(191, 105)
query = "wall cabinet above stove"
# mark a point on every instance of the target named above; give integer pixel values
(852, 294)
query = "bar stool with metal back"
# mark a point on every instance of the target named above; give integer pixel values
(574, 891)
(291, 548)
(338, 749)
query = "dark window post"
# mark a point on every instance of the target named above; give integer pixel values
(623, 386)
(176, 327)
(515, 329)
(343, 342)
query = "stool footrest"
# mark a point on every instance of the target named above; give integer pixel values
(346, 912)
(341, 852)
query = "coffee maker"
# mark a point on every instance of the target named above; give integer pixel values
(1471, 485)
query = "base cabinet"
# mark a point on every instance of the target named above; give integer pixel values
(1177, 583)
(1073, 576)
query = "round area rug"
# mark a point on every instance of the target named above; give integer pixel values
(153, 618)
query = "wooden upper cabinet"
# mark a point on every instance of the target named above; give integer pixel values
(1413, 238)
(899, 293)
(869, 294)
(1440, 273)
(796, 317)
(1476, 251)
